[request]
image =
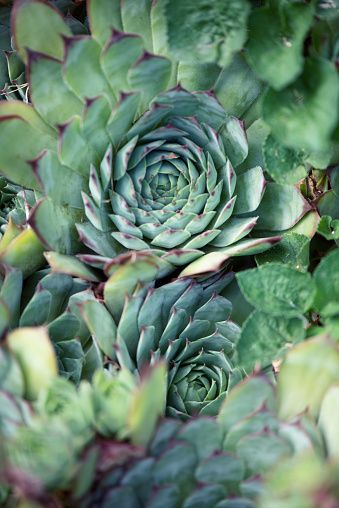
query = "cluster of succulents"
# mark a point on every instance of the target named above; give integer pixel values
(145, 360)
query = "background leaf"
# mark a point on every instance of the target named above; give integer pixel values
(278, 289)
(207, 30)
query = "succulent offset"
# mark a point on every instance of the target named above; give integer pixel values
(186, 323)
(225, 461)
(123, 163)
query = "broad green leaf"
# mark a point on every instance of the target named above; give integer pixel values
(278, 289)
(293, 250)
(284, 164)
(64, 238)
(305, 113)
(328, 228)
(281, 207)
(103, 15)
(19, 143)
(136, 18)
(334, 179)
(33, 349)
(275, 45)
(326, 277)
(46, 81)
(214, 30)
(328, 204)
(38, 26)
(265, 338)
(303, 381)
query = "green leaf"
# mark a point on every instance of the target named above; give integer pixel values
(245, 398)
(121, 52)
(60, 183)
(329, 420)
(326, 277)
(37, 311)
(303, 381)
(214, 30)
(83, 72)
(328, 228)
(33, 349)
(265, 338)
(305, 113)
(24, 252)
(20, 142)
(262, 451)
(281, 207)
(237, 88)
(64, 238)
(136, 18)
(328, 204)
(148, 404)
(103, 15)
(276, 41)
(284, 164)
(70, 265)
(101, 324)
(40, 27)
(278, 289)
(46, 81)
(294, 250)
(139, 77)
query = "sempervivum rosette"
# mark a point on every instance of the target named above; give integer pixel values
(107, 148)
(173, 183)
(186, 323)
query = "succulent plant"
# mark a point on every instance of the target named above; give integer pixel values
(214, 462)
(185, 322)
(85, 147)
(45, 450)
(36, 314)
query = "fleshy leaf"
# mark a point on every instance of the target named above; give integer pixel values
(38, 26)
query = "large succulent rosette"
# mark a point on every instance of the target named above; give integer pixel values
(105, 147)
(173, 183)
